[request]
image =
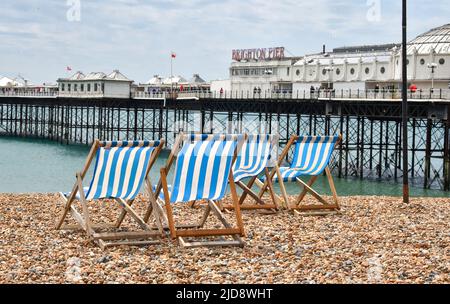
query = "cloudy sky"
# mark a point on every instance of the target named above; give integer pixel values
(38, 39)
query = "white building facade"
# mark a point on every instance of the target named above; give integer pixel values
(373, 67)
(95, 85)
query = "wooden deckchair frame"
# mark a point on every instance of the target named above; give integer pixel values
(307, 186)
(259, 203)
(181, 232)
(84, 221)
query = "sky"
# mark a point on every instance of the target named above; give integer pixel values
(39, 39)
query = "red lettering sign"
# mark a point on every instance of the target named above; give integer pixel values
(258, 54)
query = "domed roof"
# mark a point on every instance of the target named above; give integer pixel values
(437, 39)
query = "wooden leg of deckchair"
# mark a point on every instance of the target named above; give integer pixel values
(148, 212)
(83, 201)
(77, 217)
(237, 206)
(152, 207)
(237, 241)
(67, 205)
(312, 191)
(332, 187)
(248, 191)
(271, 190)
(225, 223)
(260, 184)
(191, 204)
(248, 186)
(68, 202)
(282, 186)
(122, 215)
(81, 221)
(205, 216)
(303, 193)
(153, 197)
(316, 209)
(165, 220)
(133, 214)
(260, 204)
(169, 213)
(158, 217)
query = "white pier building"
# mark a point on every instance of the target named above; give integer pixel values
(95, 85)
(371, 67)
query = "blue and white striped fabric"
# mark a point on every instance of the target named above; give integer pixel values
(254, 156)
(311, 157)
(203, 166)
(120, 169)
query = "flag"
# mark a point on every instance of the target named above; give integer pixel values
(174, 55)
(68, 68)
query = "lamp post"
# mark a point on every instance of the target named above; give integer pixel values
(432, 66)
(329, 70)
(405, 104)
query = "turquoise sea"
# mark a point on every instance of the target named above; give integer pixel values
(42, 166)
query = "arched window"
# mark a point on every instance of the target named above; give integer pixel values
(422, 61)
(442, 61)
(352, 71)
(324, 72)
(338, 71)
(297, 72)
(383, 70)
(367, 70)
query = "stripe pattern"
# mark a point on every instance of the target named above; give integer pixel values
(203, 166)
(311, 157)
(253, 157)
(120, 169)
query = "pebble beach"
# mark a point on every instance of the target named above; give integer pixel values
(373, 240)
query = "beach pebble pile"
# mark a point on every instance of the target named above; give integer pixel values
(372, 240)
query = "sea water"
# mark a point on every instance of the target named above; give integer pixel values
(43, 166)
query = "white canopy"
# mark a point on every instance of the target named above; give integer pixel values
(8, 82)
(155, 80)
(175, 80)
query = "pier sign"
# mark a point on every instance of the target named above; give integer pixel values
(258, 54)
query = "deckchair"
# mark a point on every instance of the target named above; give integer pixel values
(202, 172)
(312, 155)
(120, 170)
(252, 160)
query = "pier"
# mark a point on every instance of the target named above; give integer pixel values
(369, 121)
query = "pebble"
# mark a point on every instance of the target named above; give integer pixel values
(373, 240)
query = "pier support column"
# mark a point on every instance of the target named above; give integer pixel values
(428, 154)
(447, 151)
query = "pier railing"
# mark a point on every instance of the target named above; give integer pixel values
(65, 94)
(28, 94)
(443, 94)
(436, 94)
(146, 95)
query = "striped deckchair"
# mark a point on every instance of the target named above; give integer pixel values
(121, 169)
(202, 172)
(311, 157)
(252, 160)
